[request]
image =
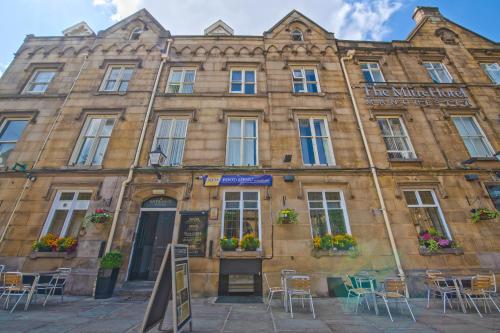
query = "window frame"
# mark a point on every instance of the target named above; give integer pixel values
(135, 32)
(170, 137)
(118, 79)
(3, 124)
(407, 136)
(31, 81)
(243, 80)
(241, 209)
(343, 206)
(484, 138)
(446, 71)
(485, 67)
(181, 82)
(242, 140)
(304, 80)
(369, 70)
(301, 35)
(314, 136)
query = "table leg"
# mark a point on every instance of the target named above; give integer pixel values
(459, 296)
(375, 303)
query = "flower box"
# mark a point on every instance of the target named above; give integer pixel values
(452, 250)
(241, 254)
(318, 253)
(52, 254)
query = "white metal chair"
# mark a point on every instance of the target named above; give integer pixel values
(271, 291)
(57, 282)
(439, 286)
(394, 292)
(284, 274)
(300, 286)
(13, 286)
(355, 288)
(481, 285)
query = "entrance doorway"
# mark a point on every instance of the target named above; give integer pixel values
(154, 233)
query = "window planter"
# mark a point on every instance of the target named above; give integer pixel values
(318, 253)
(453, 250)
(241, 254)
(63, 255)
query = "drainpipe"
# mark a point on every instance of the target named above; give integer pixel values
(373, 169)
(164, 57)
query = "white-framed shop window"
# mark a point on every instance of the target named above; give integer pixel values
(372, 72)
(181, 81)
(315, 142)
(473, 136)
(67, 213)
(243, 81)
(438, 72)
(493, 71)
(327, 213)
(305, 80)
(11, 130)
(396, 139)
(39, 81)
(93, 141)
(241, 214)
(170, 136)
(117, 78)
(425, 210)
(242, 142)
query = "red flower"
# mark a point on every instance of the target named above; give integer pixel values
(426, 236)
(99, 211)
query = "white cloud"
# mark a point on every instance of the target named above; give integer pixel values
(348, 19)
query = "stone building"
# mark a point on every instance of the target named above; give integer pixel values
(379, 140)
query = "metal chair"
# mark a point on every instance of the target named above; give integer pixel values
(440, 287)
(284, 274)
(272, 291)
(300, 286)
(57, 282)
(395, 292)
(481, 285)
(13, 286)
(354, 287)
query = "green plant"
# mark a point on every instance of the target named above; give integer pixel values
(228, 244)
(112, 259)
(483, 214)
(432, 245)
(288, 216)
(337, 242)
(100, 216)
(52, 243)
(249, 242)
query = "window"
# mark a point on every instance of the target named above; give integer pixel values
(473, 136)
(438, 72)
(171, 137)
(305, 80)
(39, 81)
(181, 81)
(92, 144)
(243, 81)
(136, 33)
(67, 213)
(396, 138)
(117, 78)
(328, 213)
(242, 142)
(297, 36)
(494, 192)
(10, 132)
(315, 142)
(371, 72)
(493, 71)
(425, 211)
(241, 214)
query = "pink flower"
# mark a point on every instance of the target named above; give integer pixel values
(443, 242)
(426, 236)
(99, 211)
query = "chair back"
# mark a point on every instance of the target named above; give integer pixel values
(395, 285)
(13, 280)
(299, 283)
(481, 283)
(354, 282)
(62, 275)
(267, 281)
(366, 282)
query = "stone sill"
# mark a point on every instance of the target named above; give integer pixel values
(241, 254)
(63, 255)
(456, 251)
(334, 253)
(403, 161)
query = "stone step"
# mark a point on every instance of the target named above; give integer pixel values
(136, 290)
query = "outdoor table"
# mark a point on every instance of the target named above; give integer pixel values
(360, 279)
(284, 275)
(457, 283)
(34, 278)
(285, 285)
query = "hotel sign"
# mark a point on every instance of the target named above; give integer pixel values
(237, 180)
(403, 95)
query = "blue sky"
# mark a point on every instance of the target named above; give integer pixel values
(349, 19)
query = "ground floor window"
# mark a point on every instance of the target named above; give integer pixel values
(328, 213)
(494, 192)
(241, 214)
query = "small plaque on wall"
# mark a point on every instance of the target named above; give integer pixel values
(193, 232)
(214, 213)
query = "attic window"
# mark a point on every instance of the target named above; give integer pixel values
(136, 33)
(297, 36)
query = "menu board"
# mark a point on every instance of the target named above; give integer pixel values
(182, 311)
(193, 232)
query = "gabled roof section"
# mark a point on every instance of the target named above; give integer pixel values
(293, 16)
(219, 28)
(79, 29)
(143, 16)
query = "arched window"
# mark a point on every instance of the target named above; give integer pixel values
(297, 36)
(136, 33)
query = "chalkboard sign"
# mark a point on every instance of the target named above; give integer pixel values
(181, 285)
(193, 232)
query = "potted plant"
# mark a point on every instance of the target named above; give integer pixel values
(108, 274)
(431, 241)
(483, 214)
(53, 243)
(338, 244)
(228, 244)
(100, 216)
(249, 242)
(288, 216)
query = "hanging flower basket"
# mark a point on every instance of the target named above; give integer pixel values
(480, 214)
(288, 216)
(101, 216)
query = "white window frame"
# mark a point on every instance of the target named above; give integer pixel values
(314, 136)
(243, 81)
(325, 209)
(294, 32)
(136, 31)
(181, 83)
(406, 137)
(484, 139)
(304, 80)
(2, 126)
(433, 64)
(486, 68)
(170, 137)
(242, 140)
(421, 205)
(241, 209)
(31, 81)
(118, 80)
(71, 209)
(370, 70)
(95, 145)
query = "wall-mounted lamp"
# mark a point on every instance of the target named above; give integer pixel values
(18, 167)
(157, 159)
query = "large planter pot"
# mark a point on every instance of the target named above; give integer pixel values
(105, 284)
(52, 254)
(318, 253)
(456, 251)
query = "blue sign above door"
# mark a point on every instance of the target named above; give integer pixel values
(238, 180)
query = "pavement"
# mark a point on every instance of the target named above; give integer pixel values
(84, 314)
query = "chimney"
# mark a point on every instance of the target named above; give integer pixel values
(421, 13)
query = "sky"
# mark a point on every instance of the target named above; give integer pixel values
(348, 19)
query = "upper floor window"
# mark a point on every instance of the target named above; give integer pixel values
(297, 36)
(241, 214)
(493, 71)
(305, 80)
(494, 192)
(136, 33)
(10, 132)
(117, 78)
(438, 72)
(67, 213)
(93, 142)
(315, 142)
(328, 213)
(170, 136)
(39, 81)
(243, 81)
(181, 81)
(396, 138)
(473, 136)
(371, 72)
(242, 142)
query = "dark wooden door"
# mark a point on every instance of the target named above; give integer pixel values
(164, 230)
